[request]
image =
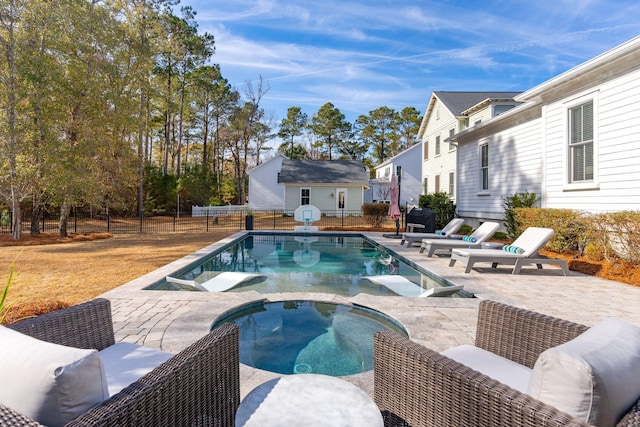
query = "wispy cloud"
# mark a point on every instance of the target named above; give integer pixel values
(362, 55)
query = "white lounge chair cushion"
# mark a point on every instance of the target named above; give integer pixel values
(219, 283)
(593, 377)
(124, 363)
(50, 383)
(499, 368)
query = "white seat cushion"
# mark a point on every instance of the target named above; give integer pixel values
(124, 363)
(593, 377)
(499, 368)
(49, 383)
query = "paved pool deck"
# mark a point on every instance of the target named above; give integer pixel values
(170, 321)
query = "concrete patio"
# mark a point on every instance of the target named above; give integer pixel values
(172, 320)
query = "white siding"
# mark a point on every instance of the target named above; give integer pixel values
(445, 162)
(515, 165)
(617, 122)
(264, 190)
(324, 196)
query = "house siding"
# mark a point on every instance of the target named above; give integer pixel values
(411, 179)
(515, 165)
(321, 196)
(445, 162)
(264, 190)
(617, 158)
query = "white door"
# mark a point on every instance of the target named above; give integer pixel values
(341, 199)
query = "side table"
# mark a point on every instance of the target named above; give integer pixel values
(309, 400)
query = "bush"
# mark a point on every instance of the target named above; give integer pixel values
(617, 233)
(375, 213)
(518, 200)
(439, 202)
(572, 230)
(466, 229)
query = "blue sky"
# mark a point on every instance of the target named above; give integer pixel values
(367, 54)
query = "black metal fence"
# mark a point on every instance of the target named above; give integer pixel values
(221, 220)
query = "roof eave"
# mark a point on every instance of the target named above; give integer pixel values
(617, 52)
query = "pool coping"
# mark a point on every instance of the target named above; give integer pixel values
(170, 320)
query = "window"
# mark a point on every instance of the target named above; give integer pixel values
(451, 133)
(581, 143)
(451, 184)
(499, 109)
(425, 187)
(305, 196)
(484, 166)
(437, 148)
(437, 183)
(425, 150)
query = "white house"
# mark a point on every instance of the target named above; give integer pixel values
(574, 141)
(447, 114)
(410, 164)
(330, 185)
(264, 190)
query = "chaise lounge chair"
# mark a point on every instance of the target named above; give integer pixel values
(481, 234)
(414, 385)
(446, 233)
(523, 251)
(219, 283)
(198, 386)
(405, 287)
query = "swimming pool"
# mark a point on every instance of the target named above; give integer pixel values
(287, 262)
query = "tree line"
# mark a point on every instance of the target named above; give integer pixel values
(115, 104)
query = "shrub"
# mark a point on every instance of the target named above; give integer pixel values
(518, 200)
(572, 230)
(465, 229)
(375, 213)
(618, 233)
(442, 204)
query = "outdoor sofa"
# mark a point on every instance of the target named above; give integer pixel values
(416, 386)
(198, 386)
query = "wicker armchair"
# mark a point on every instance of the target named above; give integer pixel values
(198, 386)
(415, 386)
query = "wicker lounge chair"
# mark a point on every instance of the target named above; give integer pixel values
(525, 251)
(198, 386)
(446, 233)
(416, 386)
(484, 232)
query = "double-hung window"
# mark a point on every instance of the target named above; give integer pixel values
(305, 196)
(581, 143)
(451, 184)
(451, 133)
(484, 166)
(437, 147)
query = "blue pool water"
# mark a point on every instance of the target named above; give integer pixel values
(304, 263)
(296, 337)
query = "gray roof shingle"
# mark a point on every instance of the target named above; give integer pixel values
(457, 102)
(323, 171)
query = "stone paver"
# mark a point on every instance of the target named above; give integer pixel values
(170, 321)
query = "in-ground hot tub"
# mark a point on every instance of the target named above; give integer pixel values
(298, 337)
